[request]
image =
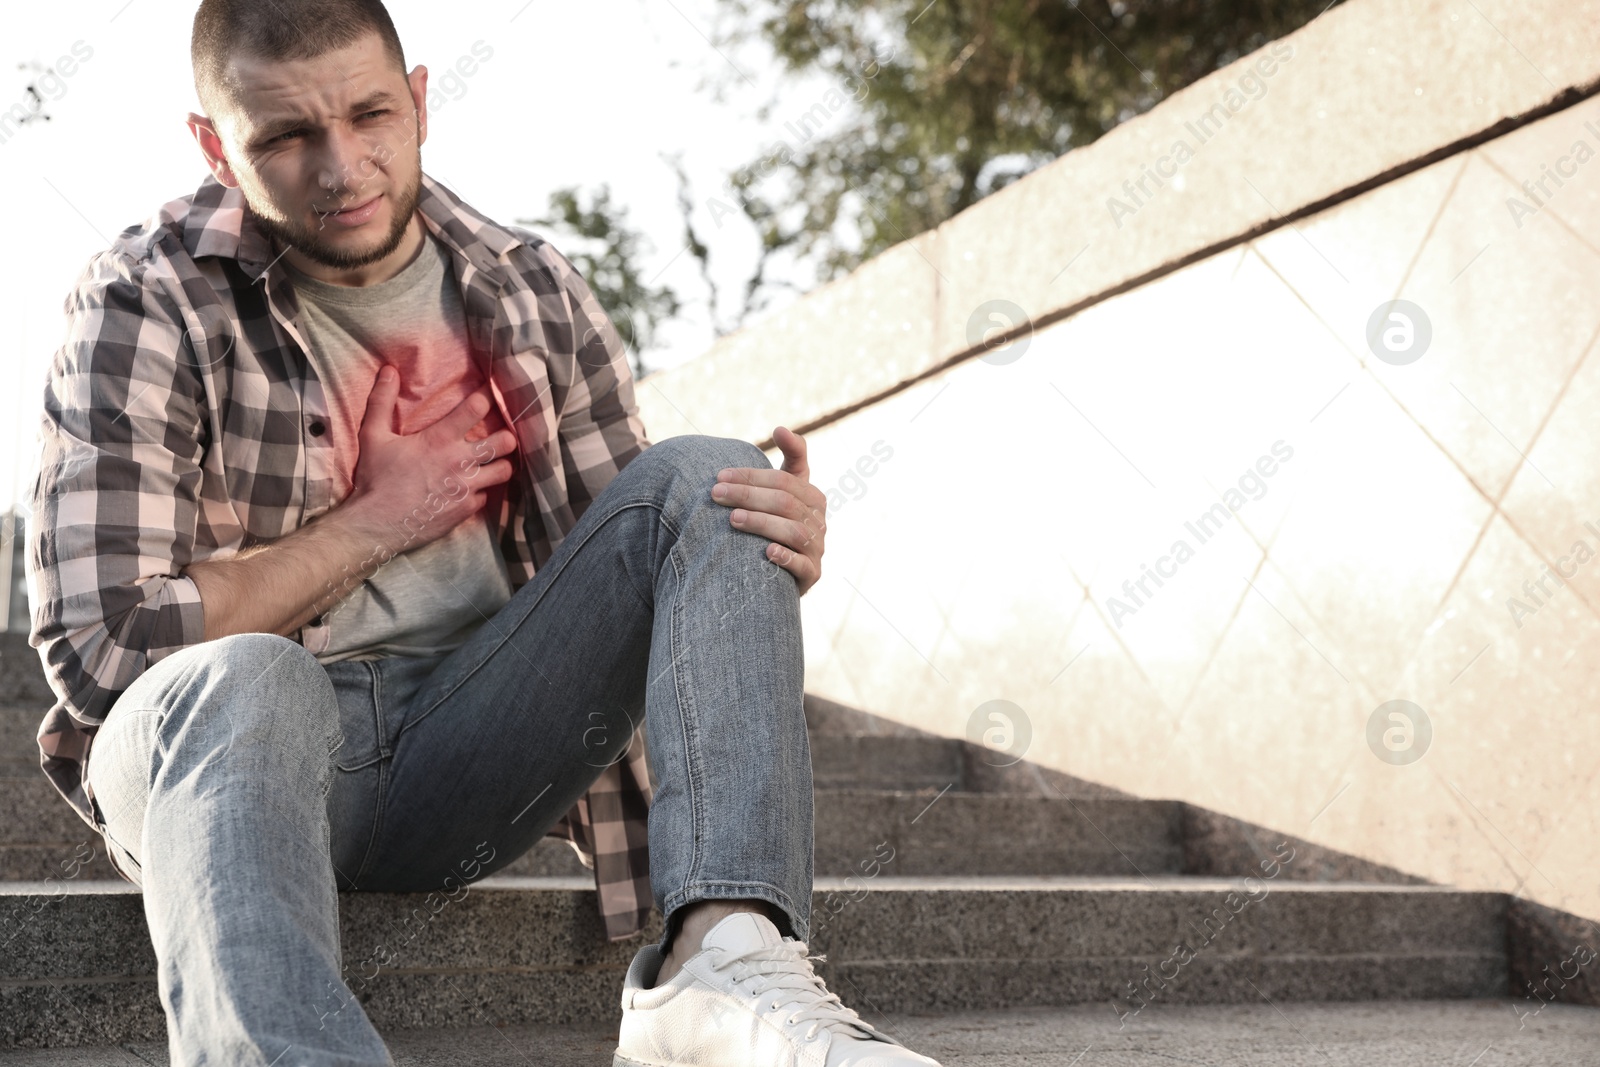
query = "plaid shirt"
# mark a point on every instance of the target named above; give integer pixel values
(174, 430)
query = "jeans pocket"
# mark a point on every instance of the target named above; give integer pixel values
(352, 820)
(358, 744)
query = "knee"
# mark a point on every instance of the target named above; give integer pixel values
(264, 659)
(697, 458)
(258, 686)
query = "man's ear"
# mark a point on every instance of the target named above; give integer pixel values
(205, 134)
(418, 81)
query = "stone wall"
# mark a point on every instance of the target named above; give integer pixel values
(1155, 465)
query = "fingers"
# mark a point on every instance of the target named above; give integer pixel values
(486, 426)
(794, 546)
(794, 452)
(769, 491)
(775, 513)
(472, 419)
(804, 535)
(463, 417)
(380, 402)
(501, 443)
(805, 569)
(790, 513)
(485, 478)
(491, 474)
(779, 502)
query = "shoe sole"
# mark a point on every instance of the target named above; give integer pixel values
(619, 1060)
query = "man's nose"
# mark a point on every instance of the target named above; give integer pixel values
(347, 163)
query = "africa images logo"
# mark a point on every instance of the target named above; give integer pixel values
(1202, 528)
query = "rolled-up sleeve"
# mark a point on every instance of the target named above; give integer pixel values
(116, 489)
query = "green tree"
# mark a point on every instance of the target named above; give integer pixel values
(924, 108)
(954, 99)
(606, 251)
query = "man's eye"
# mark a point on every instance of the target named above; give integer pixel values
(292, 134)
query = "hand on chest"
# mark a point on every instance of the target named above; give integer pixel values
(434, 378)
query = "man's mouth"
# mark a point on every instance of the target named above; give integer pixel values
(356, 214)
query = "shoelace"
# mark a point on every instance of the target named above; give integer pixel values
(785, 970)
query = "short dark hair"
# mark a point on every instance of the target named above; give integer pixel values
(278, 30)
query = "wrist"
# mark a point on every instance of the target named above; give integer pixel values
(356, 542)
(358, 523)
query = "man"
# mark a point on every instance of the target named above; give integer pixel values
(353, 567)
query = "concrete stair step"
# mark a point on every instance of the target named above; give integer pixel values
(1359, 1034)
(19, 749)
(77, 967)
(23, 685)
(952, 833)
(839, 761)
(868, 832)
(38, 815)
(944, 832)
(875, 761)
(869, 751)
(846, 753)
(22, 679)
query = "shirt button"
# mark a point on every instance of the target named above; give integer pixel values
(317, 428)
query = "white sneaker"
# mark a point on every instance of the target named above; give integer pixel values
(748, 998)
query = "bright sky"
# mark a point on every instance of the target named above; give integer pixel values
(574, 94)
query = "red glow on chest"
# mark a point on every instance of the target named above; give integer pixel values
(434, 379)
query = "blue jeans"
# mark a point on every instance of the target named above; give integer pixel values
(241, 783)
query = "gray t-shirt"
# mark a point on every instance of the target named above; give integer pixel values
(431, 598)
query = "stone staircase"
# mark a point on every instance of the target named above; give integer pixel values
(944, 885)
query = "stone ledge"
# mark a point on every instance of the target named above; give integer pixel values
(1369, 91)
(1332, 1034)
